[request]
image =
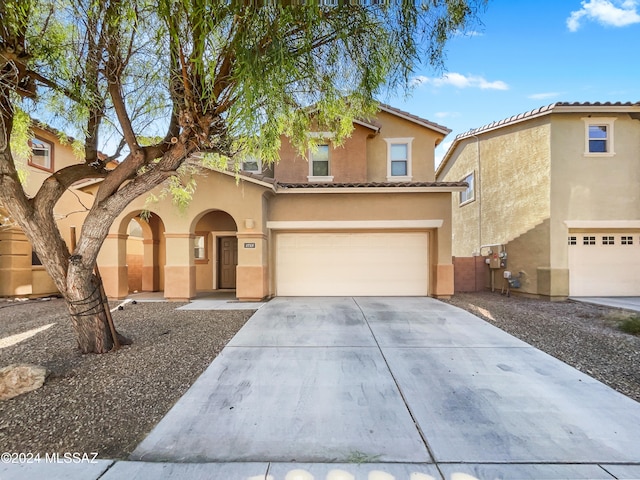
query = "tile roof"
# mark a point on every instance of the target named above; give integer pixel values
(414, 118)
(558, 107)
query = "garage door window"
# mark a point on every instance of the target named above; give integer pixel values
(588, 240)
(626, 240)
(607, 240)
(572, 241)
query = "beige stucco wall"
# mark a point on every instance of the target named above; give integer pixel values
(465, 219)
(422, 148)
(181, 275)
(601, 188)
(363, 156)
(347, 162)
(535, 177)
(511, 205)
(17, 276)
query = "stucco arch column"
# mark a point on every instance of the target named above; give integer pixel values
(440, 243)
(252, 273)
(112, 261)
(150, 266)
(180, 268)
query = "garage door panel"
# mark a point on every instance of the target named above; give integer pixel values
(351, 264)
(602, 269)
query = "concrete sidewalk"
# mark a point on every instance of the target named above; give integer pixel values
(381, 389)
(627, 303)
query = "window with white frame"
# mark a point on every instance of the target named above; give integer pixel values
(469, 194)
(41, 153)
(599, 136)
(399, 159)
(199, 250)
(319, 163)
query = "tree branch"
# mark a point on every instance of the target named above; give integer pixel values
(54, 187)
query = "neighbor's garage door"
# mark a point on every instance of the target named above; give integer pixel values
(355, 263)
(604, 264)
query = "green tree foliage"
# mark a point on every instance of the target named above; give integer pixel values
(155, 82)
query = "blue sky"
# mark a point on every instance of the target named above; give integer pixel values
(527, 54)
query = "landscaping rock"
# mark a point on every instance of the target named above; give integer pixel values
(17, 379)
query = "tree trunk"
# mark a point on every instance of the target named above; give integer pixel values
(89, 315)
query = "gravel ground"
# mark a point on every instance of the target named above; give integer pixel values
(108, 403)
(582, 335)
(105, 403)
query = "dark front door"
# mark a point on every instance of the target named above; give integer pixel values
(227, 261)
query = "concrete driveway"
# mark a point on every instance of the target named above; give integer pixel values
(405, 387)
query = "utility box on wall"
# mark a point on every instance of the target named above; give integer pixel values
(494, 260)
(497, 260)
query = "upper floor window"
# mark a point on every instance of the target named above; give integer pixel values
(399, 159)
(41, 154)
(319, 164)
(252, 165)
(599, 136)
(470, 193)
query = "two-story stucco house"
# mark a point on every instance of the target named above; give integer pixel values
(364, 218)
(21, 273)
(558, 190)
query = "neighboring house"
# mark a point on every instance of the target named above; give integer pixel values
(365, 218)
(21, 273)
(558, 190)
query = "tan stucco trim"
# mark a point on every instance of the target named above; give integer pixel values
(118, 236)
(372, 190)
(179, 235)
(602, 224)
(259, 235)
(354, 224)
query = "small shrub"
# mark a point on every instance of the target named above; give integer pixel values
(631, 325)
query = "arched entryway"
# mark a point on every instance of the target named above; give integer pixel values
(215, 251)
(145, 253)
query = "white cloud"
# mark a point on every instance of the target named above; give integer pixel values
(419, 80)
(542, 96)
(461, 81)
(613, 13)
(468, 33)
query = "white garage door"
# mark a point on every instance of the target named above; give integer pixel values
(604, 264)
(355, 263)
